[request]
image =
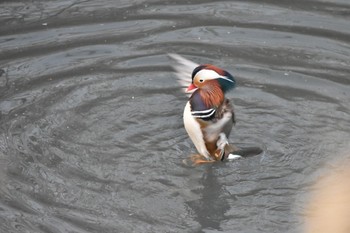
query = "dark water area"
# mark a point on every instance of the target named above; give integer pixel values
(91, 132)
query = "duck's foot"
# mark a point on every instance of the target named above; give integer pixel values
(219, 154)
(221, 143)
(197, 159)
(225, 150)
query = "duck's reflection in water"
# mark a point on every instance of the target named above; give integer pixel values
(209, 210)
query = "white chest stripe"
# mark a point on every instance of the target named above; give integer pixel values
(204, 113)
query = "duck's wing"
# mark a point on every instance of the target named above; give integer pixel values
(183, 69)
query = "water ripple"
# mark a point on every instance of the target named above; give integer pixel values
(91, 132)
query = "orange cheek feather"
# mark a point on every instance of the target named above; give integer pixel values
(212, 95)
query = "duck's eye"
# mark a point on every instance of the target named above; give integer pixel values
(201, 80)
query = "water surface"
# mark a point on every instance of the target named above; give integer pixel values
(91, 132)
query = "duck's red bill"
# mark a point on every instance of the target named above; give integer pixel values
(191, 88)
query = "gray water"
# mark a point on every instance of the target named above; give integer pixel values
(91, 132)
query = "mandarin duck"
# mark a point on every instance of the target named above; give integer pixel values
(208, 116)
